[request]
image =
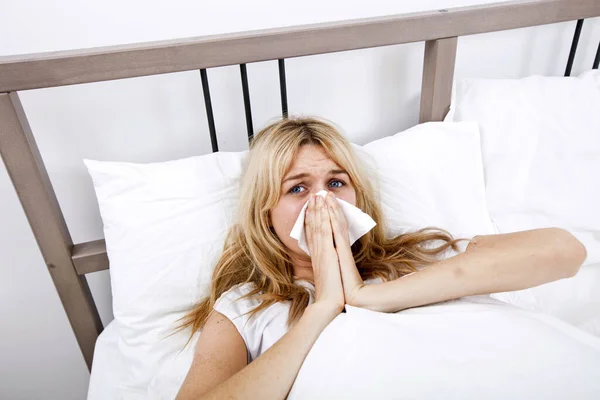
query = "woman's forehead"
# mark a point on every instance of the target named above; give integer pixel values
(312, 157)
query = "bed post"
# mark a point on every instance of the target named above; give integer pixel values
(438, 73)
(30, 179)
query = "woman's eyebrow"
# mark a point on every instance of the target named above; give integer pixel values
(304, 174)
(337, 172)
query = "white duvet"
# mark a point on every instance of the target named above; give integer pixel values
(471, 348)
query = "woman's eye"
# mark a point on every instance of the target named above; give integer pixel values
(336, 186)
(294, 191)
(333, 184)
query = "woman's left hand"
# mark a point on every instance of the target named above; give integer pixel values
(351, 279)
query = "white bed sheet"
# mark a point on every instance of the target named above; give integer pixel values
(111, 370)
(107, 366)
(110, 365)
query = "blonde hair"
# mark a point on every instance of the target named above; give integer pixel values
(254, 254)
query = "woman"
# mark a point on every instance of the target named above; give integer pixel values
(269, 300)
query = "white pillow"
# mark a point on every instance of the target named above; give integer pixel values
(540, 140)
(161, 222)
(165, 223)
(164, 226)
(432, 175)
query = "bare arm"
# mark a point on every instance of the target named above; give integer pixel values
(220, 360)
(491, 264)
(221, 352)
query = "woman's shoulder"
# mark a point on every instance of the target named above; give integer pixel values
(236, 298)
(270, 321)
(237, 303)
(240, 289)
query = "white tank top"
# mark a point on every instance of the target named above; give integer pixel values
(265, 328)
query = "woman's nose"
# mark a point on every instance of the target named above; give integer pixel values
(318, 189)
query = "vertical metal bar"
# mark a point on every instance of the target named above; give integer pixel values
(28, 174)
(247, 108)
(597, 59)
(209, 111)
(283, 88)
(438, 74)
(574, 47)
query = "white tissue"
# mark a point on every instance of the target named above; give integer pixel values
(359, 223)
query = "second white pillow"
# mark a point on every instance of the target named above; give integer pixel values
(432, 175)
(540, 141)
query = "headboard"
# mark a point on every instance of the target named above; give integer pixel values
(68, 263)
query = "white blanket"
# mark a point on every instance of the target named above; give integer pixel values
(472, 348)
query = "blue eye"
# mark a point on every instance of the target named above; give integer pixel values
(293, 191)
(336, 186)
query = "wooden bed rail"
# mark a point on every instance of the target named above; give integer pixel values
(30, 179)
(33, 71)
(67, 262)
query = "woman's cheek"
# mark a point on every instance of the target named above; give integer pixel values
(290, 211)
(349, 196)
(295, 212)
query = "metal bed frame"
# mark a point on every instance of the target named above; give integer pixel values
(574, 49)
(68, 262)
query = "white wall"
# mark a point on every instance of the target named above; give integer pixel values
(370, 93)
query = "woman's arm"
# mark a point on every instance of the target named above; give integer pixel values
(491, 264)
(219, 354)
(270, 376)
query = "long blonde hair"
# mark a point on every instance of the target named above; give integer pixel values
(254, 254)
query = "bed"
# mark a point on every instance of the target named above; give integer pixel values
(109, 349)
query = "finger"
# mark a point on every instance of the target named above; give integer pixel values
(311, 202)
(335, 227)
(308, 215)
(338, 212)
(318, 212)
(338, 223)
(335, 206)
(335, 224)
(309, 222)
(315, 227)
(325, 221)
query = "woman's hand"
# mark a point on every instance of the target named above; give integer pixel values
(319, 237)
(351, 279)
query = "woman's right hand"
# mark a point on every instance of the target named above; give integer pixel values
(329, 290)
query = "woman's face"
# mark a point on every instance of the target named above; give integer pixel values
(311, 171)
